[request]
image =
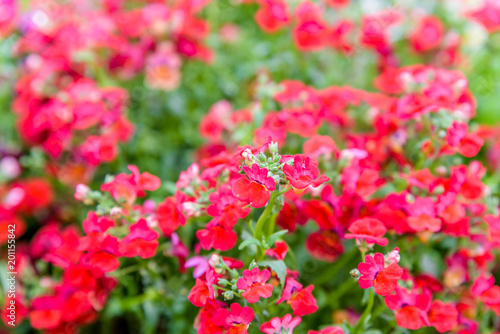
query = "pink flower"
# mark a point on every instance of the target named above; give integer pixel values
(279, 251)
(303, 173)
(141, 241)
(236, 320)
(369, 229)
(280, 325)
(374, 273)
(301, 300)
(216, 236)
(467, 144)
(328, 330)
(254, 284)
(443, 316)
(410, 308)
(428, 35)
(258, 189)
(226, 208)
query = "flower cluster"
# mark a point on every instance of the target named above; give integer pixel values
(67, 99)
(307, 206)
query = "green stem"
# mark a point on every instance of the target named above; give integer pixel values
(271, 225)
(125, 271)
(264, 216)
(339, 291)
(360, 325)
(335, 267)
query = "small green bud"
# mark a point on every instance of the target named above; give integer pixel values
(228, 295)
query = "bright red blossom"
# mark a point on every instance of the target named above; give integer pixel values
(375, 273)
(303, 173)
(443, 316)
(254, 284)
(301, 300)
(257, 188)
(236, 320)
(283, 325)
(328, 330)
(370, 229)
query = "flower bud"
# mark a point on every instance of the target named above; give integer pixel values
(115, 212)
(228, 295)
(81, 192)
(273, 147)
(355, 273)
(9, 167)
(393, 256)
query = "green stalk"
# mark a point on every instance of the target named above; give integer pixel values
(359, 326)
(264, 216)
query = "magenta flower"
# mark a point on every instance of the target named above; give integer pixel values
(374, 273)
(280, 325)
(257, 189)
(254, 284)
(236, 320)
(303, 173)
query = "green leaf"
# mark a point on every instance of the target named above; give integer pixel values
(278, 266)
(247, 242)
(275, 236)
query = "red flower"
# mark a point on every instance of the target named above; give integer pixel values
(141, 241)
(411, 308)
(467, 144)
(369, 229)
(254, 284)
(443, 316)
(279, 251)
(199, 293)
(374, 273)
(45, 319)
(203, 291)
(128, 187)
(337, 3)
(488, 15)
(236, 320)
(226, 208)
(423, 215)
(324, 245)
(94, 223)
(303, 173)
(257, 189)
(216, 236)
(283, 325)
(170, 215)
(318, 145)
(311, 31)
(328, 330)
(102, 251)
(360, 180)
(272, 15)
(301, 300)
(428, 34)
(144, 181)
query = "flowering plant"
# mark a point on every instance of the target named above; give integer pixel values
(269, 166)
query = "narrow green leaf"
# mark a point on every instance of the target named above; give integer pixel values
(247, 242)
(275, 236)
(278, 266)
